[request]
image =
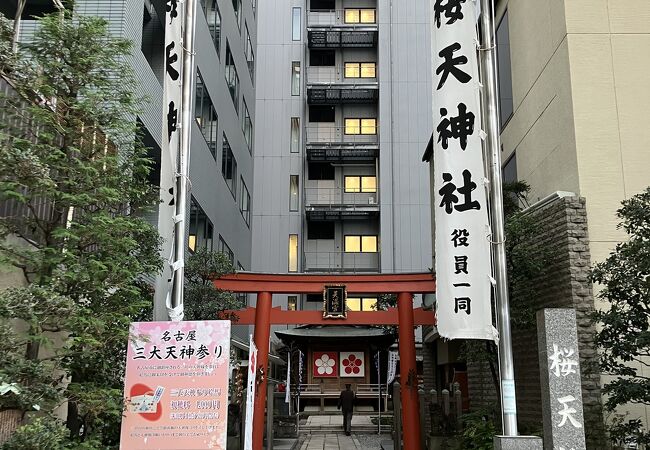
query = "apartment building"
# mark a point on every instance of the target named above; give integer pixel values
(343, 109)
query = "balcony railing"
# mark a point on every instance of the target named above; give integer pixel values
(339, 96)
(341, 262)
(335, 134)
(337, 197)
(336, 18)
(346, 38)
(334, 75)
(342, 155)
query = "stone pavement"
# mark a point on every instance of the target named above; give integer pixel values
(338, 441)
(334, 423)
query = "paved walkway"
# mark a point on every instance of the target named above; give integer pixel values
(336, 421)
(330, 442)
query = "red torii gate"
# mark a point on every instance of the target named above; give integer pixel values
(404, 285)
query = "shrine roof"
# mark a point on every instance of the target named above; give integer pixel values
(308, 332)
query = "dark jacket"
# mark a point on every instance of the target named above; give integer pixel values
(346, 400)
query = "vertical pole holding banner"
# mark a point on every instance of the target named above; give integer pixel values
(261, 337)
(493, 153)
(182, 176)
(408, 372)
(379, 392)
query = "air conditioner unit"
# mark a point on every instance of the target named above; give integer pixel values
(371, 200)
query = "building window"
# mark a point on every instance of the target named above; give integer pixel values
(295, 78)
(228, 166)
(321, 171)
(360, 126)
(201, 229)
(509, 172)
(213, 16)
(295, 24)
(360, 70)
(247, 127)
(153, 33)
(295, 135)
(293, 193)
(205, 115)
(236, 5)
(232, 79)
(250, 56)
(320, 230)
(321, 113)
(292, 303)
(322, 5)
(318, 58)
(360, 16)
(360, 244)
(504, 70)
(225, 249)
(293, 253)
(360, 184)
(361, 303)
(245, 203)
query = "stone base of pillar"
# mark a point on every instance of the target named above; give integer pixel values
(518, 443)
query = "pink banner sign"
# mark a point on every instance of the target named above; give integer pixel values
(176, 386)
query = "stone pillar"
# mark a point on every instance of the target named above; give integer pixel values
(517, 443)
(559, 365)
(270, 400)
(424, 431)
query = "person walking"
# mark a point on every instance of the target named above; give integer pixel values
(346, 405)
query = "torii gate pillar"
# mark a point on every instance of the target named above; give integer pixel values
(261, 338)
(408, 373)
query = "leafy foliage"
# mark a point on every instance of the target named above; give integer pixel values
(44, 433)
(74, 172)
(478, 431)
(202, 300)
(624, 333)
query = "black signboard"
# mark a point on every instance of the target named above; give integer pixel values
(334, 299)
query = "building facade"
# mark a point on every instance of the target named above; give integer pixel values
(222, 147)
(574, 99)
(343, 108)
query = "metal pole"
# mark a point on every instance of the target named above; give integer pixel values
(493, 153)
(182, 176)
(379, 392)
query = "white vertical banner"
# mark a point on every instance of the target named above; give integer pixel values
(171, 115)
(462, 249)
(250, 395)
(392, 367)
(287, 393)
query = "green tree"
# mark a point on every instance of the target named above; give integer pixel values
(202, 301)
(74, 181)
(526, 263)
(623, 335)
